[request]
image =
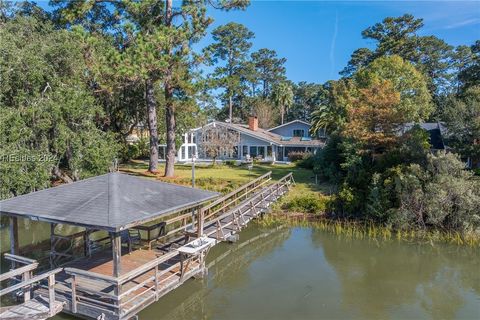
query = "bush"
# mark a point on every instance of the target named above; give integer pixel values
(137, 150)
(295, 156)
(441, 195)
(308, 203)
(307, 162)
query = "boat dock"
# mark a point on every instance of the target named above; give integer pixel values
(129, 261)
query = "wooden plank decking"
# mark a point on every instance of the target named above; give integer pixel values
(36, 309)
(117, 287)
(96, 297)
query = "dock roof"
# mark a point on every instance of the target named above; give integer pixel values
(111, 202)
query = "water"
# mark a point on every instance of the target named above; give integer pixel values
(306, 273)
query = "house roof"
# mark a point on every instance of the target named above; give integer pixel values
(288, 123)
(436, 130)
(267, 136)
(111, 202)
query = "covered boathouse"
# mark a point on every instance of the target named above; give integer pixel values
(125, 226)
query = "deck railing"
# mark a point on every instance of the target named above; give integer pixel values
(129, 287)
(28, 281)
(249, 206)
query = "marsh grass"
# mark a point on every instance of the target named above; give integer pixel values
(368, 230)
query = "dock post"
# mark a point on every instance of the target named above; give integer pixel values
(74, 293)
(200, 221)
(117, 253)
(14, 245)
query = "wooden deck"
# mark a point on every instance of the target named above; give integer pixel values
(139, 284)
(118, 286)
(37, 309)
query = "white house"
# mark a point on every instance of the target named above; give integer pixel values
(265, 144)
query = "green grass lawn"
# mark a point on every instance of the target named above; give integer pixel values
(224, 178)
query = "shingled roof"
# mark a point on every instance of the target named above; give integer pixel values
(111, 202)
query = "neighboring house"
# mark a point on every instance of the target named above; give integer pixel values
(436, 130)
(140, 131)
(266, 144)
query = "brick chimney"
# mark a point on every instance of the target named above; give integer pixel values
(253, 123)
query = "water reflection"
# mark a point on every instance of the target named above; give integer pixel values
(305, 273)
(385, 279)
(228, 266)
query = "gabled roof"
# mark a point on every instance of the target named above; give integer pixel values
(436, 130)
(267, 136)
(111, 202)
(260, 133)
(288, 123)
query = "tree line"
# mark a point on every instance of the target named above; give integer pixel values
(378, 157)
(78, 78)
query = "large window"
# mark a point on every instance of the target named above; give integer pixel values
(253, 151)
(299, 133)
(269, 151)
(244, 150)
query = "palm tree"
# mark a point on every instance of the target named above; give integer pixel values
(328, 118)
(282, 96)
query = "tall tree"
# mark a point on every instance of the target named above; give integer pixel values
(399, 36)
(467, 63)
(462, 117)
(373, 117)
(150, 27)
(282, 96)
(330, 113)
(51, 126)
(230, 47)
(415, 100)
(270, 69)
(306, 98)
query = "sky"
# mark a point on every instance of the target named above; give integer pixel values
(318, 37)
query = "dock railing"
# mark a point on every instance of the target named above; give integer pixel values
(28, 280)
(228, 201)
(251, 205)
(130, 287)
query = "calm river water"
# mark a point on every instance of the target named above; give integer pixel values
(306, 273)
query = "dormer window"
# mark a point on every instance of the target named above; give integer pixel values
(299, 133)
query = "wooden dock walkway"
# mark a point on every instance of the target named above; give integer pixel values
(41, 306)
(88, 287)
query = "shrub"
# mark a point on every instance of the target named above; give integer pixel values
(230, 163)
(295, 156)
(442, 195)
(307, 161)
(136, 150)
(308, 203)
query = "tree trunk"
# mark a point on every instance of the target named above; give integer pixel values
(169, 106)
(152, 125)
(170, 125)
(282, 112)
(230, 108)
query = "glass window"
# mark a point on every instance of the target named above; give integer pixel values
(244, 150)
(253, 151)
(261, 151)
(269, 151)
(298, 133)
(182, 153)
